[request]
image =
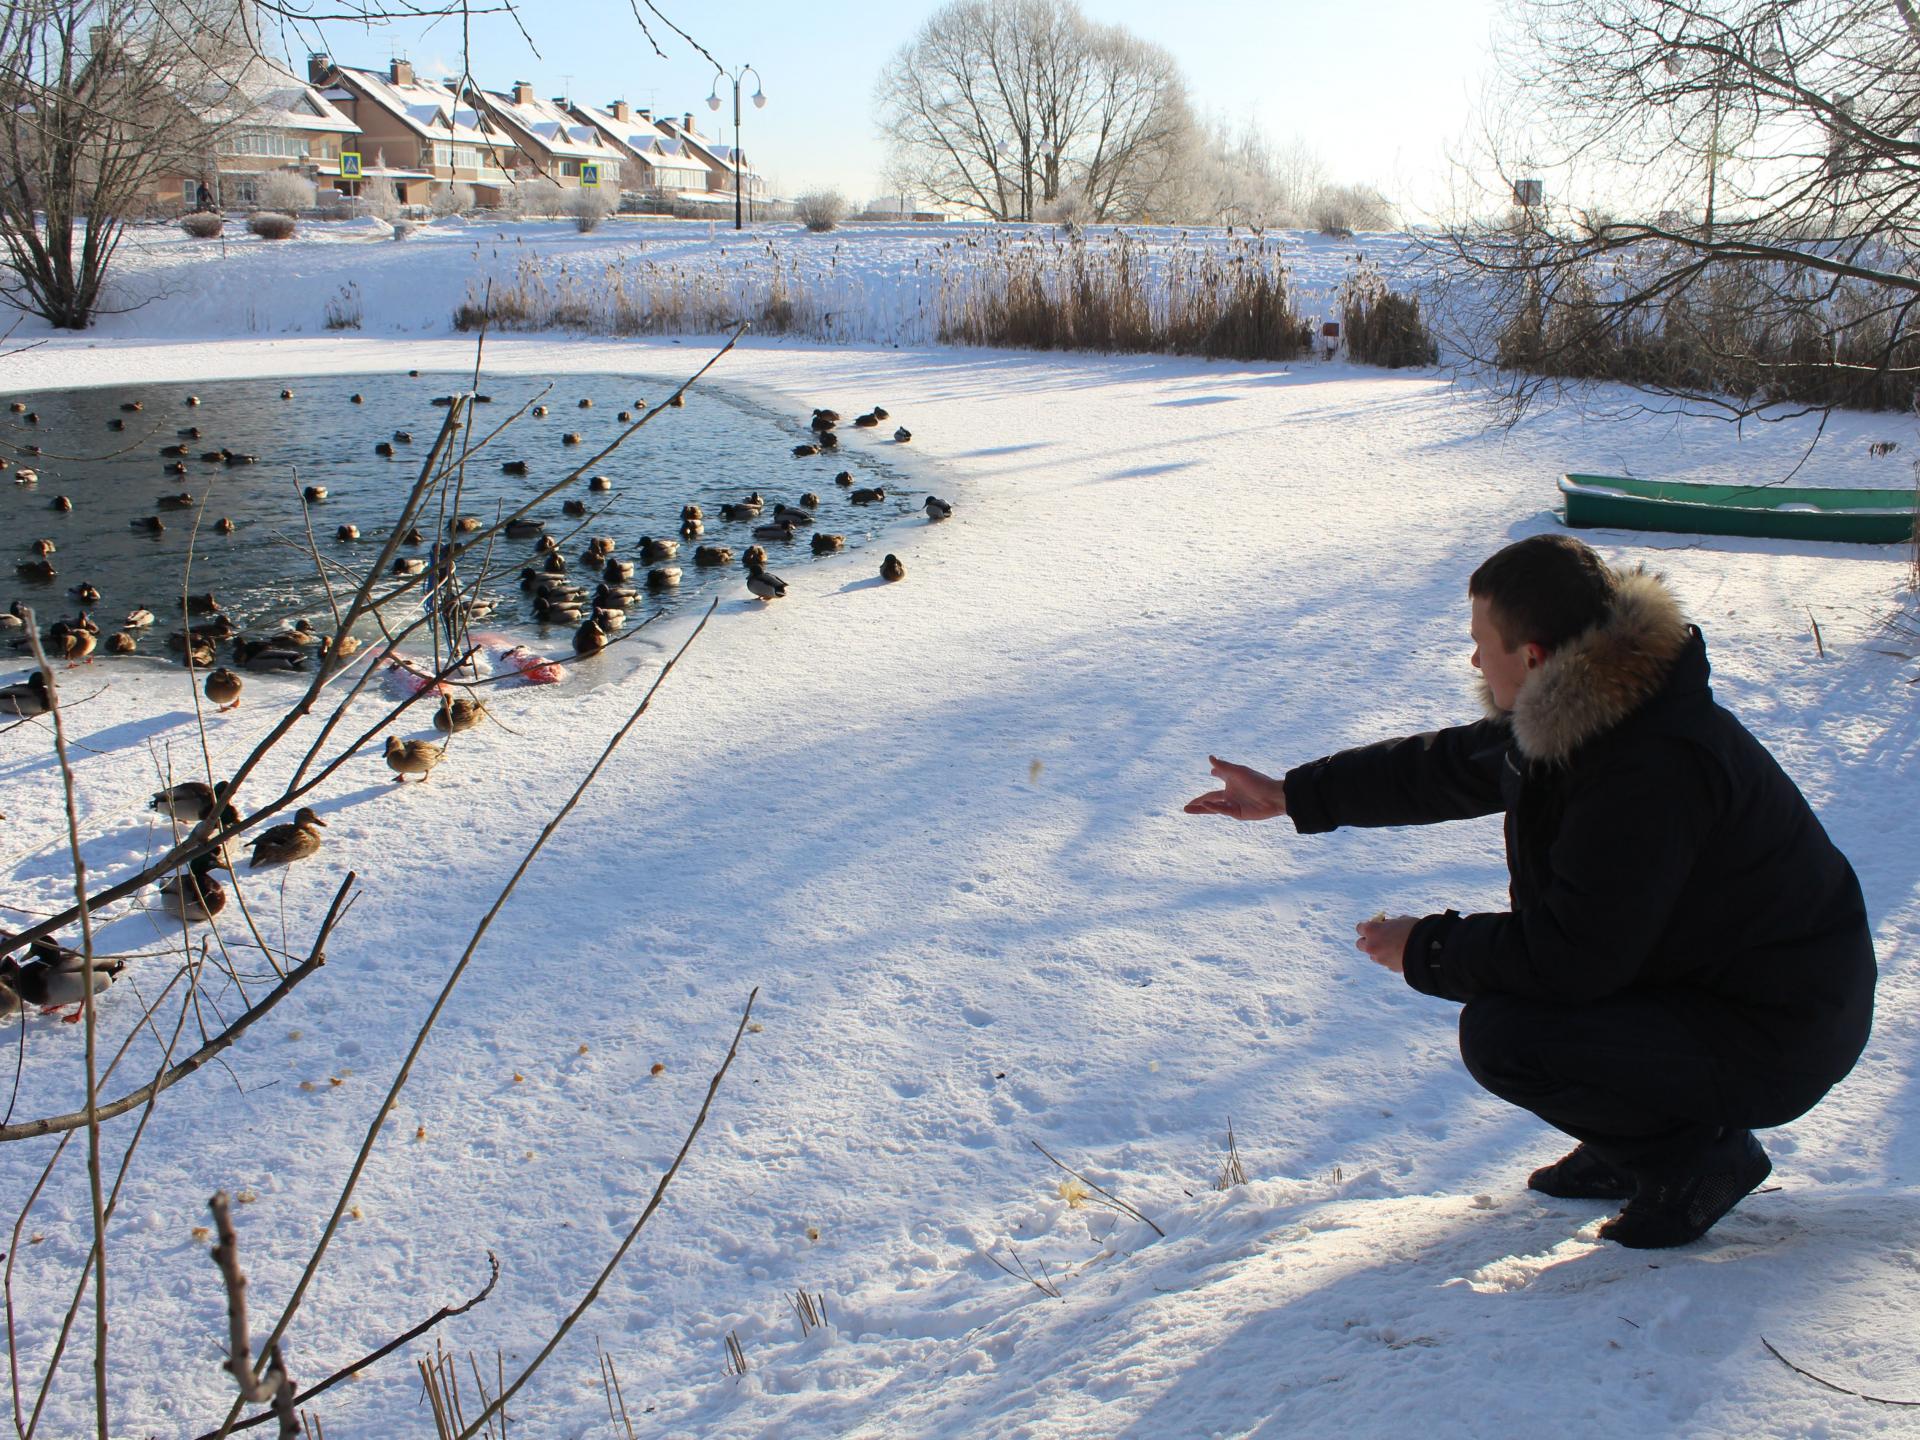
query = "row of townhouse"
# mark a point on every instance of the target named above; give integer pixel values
(411, 137)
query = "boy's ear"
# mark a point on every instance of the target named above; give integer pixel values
(1536, 654)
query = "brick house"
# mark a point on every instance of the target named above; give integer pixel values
(552, 143)
(415, 136)
(272, 122)
(720, 159)
(651, 162)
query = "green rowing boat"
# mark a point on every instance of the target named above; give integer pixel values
(1874, 517)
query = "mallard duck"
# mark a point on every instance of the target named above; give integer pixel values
(938, 509)
(221, 627)
(187, 432)
(116, 424)
(653, 551)
(825, 544)
(585, 403)
(30, 697)
(137, 618)
(601, 545)
(347, 533)
(182, 501)
(355, 399)
(810, 500)
(79, 646)
(177, 467)
(121, 643)
(820, 424)
(14, 617)
(589, 639)
(195, 895)
(792, 516)
(149, 524)
(554, 611)
(193, 400)
(413, 537)
(572, 437)
(173, 450)
(763, 585)
(625, 416)
(879, 413)
(223, 688)
(18, 407)
(197, 656)
(62, 503)
(573, 507)
(678, 401)
(828, 417)
(315, 494)
(600, 485)
(286, 394)
(341, 648)
(54, 976)
(844, 479)
(902, 435)
(781, 530)
(618, 571)
(26, 475)
(204, 603)
(42, 547)
(614, 597)
(265, 658)
(711, 555)
(692, 512)
(409, 565)
(403, 437)
(513, 467)
(692, 529)
(464, 524)
(867, 421)
(133, 406)
(829, 441)
(215, 457)
(739, 513)
(457, 713)
(868, 497)
(86, 594)
(539, 412)
(235, 458)
(755, 555)
(555, 563)
(891, 569)
(383, 448)
(801, 452)
(755, 500)
(36, 569)
(223, 525)
(663, 577)
(609, 617)
(525, 528)
(285, 843)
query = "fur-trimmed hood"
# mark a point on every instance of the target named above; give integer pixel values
(1596, 680)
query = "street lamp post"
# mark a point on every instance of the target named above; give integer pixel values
(759, 102)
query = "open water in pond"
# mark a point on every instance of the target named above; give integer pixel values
(109, 461)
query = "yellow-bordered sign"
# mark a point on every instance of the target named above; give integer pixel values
(590, 174)
(349, 164)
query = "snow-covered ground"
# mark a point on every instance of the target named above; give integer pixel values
(938, 825)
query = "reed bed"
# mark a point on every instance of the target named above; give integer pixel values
(1056, 290)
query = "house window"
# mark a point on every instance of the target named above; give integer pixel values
(267, 142)
(246, 192)
(569, 168)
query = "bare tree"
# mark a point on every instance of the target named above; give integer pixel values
(98, 99)
(1731, 215)
(1011, 108)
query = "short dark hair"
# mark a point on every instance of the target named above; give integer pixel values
(1545, 589)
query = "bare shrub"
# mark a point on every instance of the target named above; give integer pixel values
(1382, 326)
(287, 192)
(455, 199)
(534, 196)
(271, 225)
(343, 311)
(588, 207)
(820, 211)
(1343, 209)
(203, 224)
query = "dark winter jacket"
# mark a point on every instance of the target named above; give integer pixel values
(1653, 845)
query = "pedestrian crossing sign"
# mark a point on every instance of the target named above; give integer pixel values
(590, 174)
(349, 164)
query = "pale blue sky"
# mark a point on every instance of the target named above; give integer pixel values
(1381, 89)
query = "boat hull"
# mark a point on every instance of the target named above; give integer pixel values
(1856, 516)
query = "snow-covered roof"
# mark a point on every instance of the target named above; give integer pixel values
(550, 128)
(639, 137)
(267, 95)
(427, 110)
(714, 153)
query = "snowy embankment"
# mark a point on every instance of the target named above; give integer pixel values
(879, 284)
(937, 823)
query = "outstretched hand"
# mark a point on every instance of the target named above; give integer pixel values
(1244, 794)
(1383, 940)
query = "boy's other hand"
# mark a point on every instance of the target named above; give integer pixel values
(1244, 794)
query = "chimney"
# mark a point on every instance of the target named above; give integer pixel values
(686, 122)
(620, 111)
(522, 93)
(319, 67)
(646, 114)
(401, 71)
(96, 39)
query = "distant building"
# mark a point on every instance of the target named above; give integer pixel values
(720, 160)
(272, 122)
(651, 162)
(415, 136)
(553, 144)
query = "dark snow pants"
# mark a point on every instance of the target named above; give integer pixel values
(1627, 1075)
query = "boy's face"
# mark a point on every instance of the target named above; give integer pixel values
(1505, 670)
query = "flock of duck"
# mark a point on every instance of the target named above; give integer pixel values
(52, 976)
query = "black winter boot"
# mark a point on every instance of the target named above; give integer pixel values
(1582, 1174)
(1679, 1208)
